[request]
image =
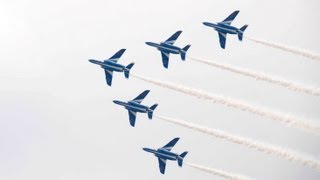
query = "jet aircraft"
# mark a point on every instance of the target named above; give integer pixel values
(225, 28)
(164, 153)
(135, 106)
(110, 65)
(166, 48)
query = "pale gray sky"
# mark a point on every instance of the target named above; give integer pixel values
(57, 119)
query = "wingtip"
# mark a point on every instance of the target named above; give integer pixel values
(178, 32)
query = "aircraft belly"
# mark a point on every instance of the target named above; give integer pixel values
(118, 70)
(113, 68)
(226, 30)
(136, 109)
(169, 50)
(167, 157)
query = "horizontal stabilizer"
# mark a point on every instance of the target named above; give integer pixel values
(150, 111)
(241, 31)
(127, 70)
(184, 51)
(180, 158)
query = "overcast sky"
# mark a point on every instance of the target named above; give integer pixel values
(57, 119)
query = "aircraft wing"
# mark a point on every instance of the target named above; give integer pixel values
(132, 117)
(230, 18)
(172, 39)
(170, 145)
(108, 74)
(165, 59)
(222, 39)
(162, 165)
(141, 96)
(116, 56)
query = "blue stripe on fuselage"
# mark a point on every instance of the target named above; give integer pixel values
(223, 28)
(165, 154)
(112, 66)
(136, 107)
(168, 48)
(109, 65)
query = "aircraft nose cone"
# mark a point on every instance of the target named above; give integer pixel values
(149, 43)
(91, 60)
(147, 150)
(205, 23)
(116, 102)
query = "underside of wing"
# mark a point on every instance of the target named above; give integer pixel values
(172, 39)
(108, 75)
(162, 165)
(230, 18)
(170, 144)
(222, 39)
(132, 117)
(141, 96)
(116, 56)
(165, 59)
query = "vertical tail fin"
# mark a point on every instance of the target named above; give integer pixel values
(184, 51)
(180, 158)
(241, 31)
(150, 111)
(127, 70)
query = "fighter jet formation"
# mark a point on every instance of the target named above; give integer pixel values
(166, 48)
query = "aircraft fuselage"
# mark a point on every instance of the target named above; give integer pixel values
(165, 47)
(109, 65)
(223, 28)
(163, 154)
(133, 106)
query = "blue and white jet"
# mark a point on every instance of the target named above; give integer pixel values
(166, 48)
(110, 65)
(164, 153)
(134, 106)
(225, 28)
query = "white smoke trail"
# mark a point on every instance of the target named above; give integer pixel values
(218, 172)
(252, 144)
(294, 50)
(284, 118)
(261, 76)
